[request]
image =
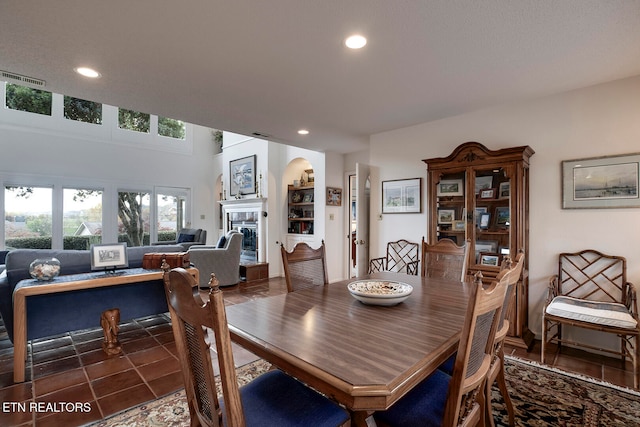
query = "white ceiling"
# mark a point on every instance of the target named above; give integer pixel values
(274, 66)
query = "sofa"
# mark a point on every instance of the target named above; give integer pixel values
(223, 259)
(56, 313)
(187, 237)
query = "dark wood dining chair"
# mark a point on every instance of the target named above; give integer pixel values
(445, 260)
(402, 257)
(496, 371)
(271, 399)
(304, 266)
(459, 399)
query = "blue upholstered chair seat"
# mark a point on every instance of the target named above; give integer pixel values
(423, 406)
(447, 366)
(272, 398)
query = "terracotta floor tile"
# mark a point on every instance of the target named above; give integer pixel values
(165, 338)
(89, 345)
(108, 367)
(167, 384)
(87, 335)
(125, 399)
(133, 335)
(149, 355)
(16, 393)
(80, 393)
(18, 415)
(71, 419)
(139, 344)
(53, 354)
(95, 356)
(61, 380)
(159, 368)
(55, 366)
(116, 382)
(51, 343)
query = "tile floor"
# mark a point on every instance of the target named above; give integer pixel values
(73, 367)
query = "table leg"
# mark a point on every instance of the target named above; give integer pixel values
(359, 419)
(19, 338)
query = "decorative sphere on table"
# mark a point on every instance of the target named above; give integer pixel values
(44, 268)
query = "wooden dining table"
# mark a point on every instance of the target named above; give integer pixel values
(365, 357)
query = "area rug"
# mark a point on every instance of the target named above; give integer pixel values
(542, 396)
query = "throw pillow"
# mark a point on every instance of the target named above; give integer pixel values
(182, 238)
(221, 242)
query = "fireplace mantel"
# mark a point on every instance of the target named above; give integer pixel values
(258, 205)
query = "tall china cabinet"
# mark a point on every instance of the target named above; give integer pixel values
(483, 195)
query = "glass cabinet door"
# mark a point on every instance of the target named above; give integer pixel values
(451, 214)
(491, 216)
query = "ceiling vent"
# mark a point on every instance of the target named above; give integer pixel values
(261, 135)
(14, 77)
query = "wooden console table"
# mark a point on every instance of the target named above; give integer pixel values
(250, 272)
(30, 287)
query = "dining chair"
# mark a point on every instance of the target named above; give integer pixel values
(445, 260)
(271, 399)
(496, 371)
(457, 399)
(304, 266)
(402, 257)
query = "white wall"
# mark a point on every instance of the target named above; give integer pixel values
(597, 121)
(50, 150)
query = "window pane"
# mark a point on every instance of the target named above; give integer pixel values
(171, 127)
(170, 216)
(27, 217)
(133, 120)
(82, 110)
(24, 98)
(133, 218)
(81, 218)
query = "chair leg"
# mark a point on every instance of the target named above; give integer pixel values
(502, 385)
(544, 339)
(636, 361)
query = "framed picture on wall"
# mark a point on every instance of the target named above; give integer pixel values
(334, 196)
(242, 174)
(402, 196)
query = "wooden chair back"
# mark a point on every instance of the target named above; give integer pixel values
(402, 257)
(304, 266)
(445, 260)
(515, 272)
(466, 397)
(592, 275)
(190, 318)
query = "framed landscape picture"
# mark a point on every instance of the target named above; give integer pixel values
(601, 182)
(450, 187)
(402, 196)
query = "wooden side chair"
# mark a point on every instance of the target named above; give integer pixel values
(457, 400)
(304, 266)
(402, 257)
(272, 399)
(445, 260)
(496, 371)
(591, 291)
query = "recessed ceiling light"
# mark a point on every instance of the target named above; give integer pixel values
(87, 72)
(303, 132)
(355, 41)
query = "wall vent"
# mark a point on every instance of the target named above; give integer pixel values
(6, 75)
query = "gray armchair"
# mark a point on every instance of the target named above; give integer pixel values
(224, 261)
(187, 237)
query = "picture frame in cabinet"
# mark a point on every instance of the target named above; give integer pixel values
(478, 211)
(308, 198)
(334, 196)
(458, 225)
(504, 189)
(483, 183)
(450, 187)
(242, 174)
(402, 196)
(488, 193)
(485, 221)
(491, 259)
(502, 216)
(485, 246)
(446, 216)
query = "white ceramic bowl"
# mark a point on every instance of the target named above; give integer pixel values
(380, 292)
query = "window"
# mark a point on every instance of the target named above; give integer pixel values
(133, 218)
(171, 209)
(81, 218)
(134, 120)
(82, 110)
(28, 217)
(24, 98)
(171, 128)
